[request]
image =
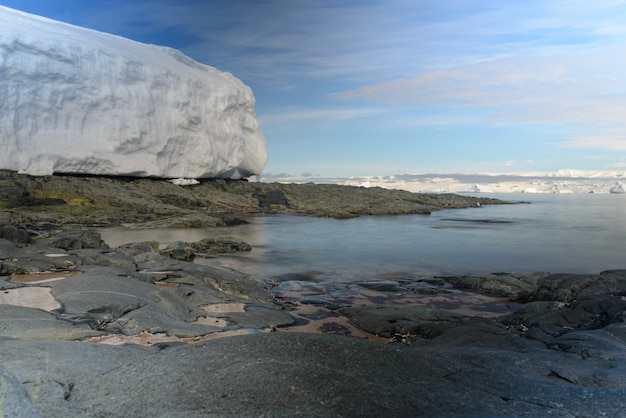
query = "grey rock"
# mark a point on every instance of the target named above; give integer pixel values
(231, 285)
(153, 319)
(77, 240)
(542, 320)
(109, 302)
(481, 332)
(15, 233)
(64, 251)
(598, 344)
(35, 259)
(285, 374)
(113, 260)
(543, 286)
(49, 370)
(132, 304)
(220, 245)
(179, 251)
(8, 249)
(260, 316)
(26, 264)
(515, 286)
(143, 253)
(568, 287)
(29, 323)
(389, 320)
(14, 400)
(270, 198)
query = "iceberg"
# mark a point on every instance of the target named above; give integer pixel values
(480, 188)
(74, 100)
(617, 188)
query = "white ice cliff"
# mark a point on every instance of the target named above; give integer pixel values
(74, 100)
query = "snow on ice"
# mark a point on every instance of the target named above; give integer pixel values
(480, 188)
(74, 100)
(617, 188)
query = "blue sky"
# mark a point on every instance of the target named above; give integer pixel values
(352, 88)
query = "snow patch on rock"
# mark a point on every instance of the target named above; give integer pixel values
(184, 182)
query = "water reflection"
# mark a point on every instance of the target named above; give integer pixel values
(577, 234)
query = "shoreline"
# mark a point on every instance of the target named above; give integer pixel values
(138, 300)
(56, 202)
(531, 343)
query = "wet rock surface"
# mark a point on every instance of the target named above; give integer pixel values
(87, 330)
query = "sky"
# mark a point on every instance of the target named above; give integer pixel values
(383, 87)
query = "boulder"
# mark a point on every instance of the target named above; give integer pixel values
(15, 233)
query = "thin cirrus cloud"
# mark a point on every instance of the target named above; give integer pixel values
(586, 89)
(349, 40)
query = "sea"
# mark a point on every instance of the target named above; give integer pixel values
(556, 233)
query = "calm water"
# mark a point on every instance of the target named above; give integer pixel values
(576, 233)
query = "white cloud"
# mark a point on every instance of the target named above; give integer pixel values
(603, 141)
(619, 164)
(585, 90)
(365, 41)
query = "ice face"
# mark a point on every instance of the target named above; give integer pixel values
(73, 100)
(617, 188)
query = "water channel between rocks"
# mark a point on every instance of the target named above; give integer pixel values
(316, 265)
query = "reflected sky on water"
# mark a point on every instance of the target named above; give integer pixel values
(554, 233)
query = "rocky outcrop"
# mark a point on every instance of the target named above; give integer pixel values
(51, 201)
(553, 305)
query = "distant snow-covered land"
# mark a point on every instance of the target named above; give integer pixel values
(561, 181)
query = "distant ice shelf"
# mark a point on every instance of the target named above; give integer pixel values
(74, 100)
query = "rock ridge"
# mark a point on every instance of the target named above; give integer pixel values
(151, 203)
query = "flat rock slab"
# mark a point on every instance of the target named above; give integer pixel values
(126, 305)
(14, 401)
(288, 374)
(49, 370)
(259, 316)
(388, 320)
(28, 323)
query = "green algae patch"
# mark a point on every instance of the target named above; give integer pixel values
(70, 197)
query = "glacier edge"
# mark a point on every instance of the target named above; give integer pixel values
(74, 100)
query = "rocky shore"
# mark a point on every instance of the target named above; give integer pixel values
(87, 330)
(66, 201)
